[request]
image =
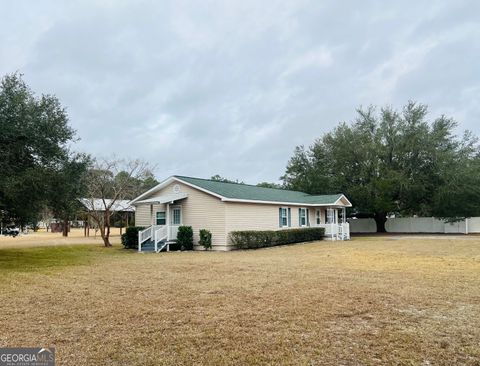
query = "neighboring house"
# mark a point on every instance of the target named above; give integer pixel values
(100, 204)
(224, 207)
(123, 212)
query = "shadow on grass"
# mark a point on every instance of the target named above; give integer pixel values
(46, 259)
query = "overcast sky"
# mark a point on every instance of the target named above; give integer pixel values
(231, 87)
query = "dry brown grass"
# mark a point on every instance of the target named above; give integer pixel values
(359, 302)
(43, 238)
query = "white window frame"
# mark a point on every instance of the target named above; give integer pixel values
(304, 210)
(156, 217)
(318, 216)
(284, 209)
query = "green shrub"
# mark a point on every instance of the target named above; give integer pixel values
(205, 239)
(130, 237)
(268, 238)
(185, 237)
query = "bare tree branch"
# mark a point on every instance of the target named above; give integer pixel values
(109, 181)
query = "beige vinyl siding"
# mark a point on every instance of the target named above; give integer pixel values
(255, 216)
(199, 210)
(142, 215)
(313, 218)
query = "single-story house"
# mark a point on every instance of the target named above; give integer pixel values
(225, 207)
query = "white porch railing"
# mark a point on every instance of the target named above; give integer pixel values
(337, 231)
(160, 234)
(345, 230)
(157, 233)
(331, 230)
(172, 232)
(143, 236)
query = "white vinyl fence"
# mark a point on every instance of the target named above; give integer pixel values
(417, 225)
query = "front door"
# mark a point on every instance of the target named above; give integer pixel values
(176, 216)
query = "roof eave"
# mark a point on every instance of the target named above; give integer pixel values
(164, 199)
(283, 202)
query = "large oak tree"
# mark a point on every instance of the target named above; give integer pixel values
(34, 134)
(67, 185)
(391, 162)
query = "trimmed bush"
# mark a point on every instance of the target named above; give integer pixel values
(185, 237)
(269, 238)
(130, 237)
(205, 239)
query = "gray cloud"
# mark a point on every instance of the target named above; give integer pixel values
(200, 88)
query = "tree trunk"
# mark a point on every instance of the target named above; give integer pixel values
(105, 231)
(65, 228)
(380, 220)
(105, 238)
(106, 242)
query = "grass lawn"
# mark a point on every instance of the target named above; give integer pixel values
(43, 238)
(408, 301)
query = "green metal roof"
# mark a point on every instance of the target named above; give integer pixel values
(254, 193)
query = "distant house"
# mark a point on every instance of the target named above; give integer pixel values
(123, 212)
(224, 207)
(99, 204)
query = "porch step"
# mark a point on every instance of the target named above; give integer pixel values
(149, 245)
(163, 245)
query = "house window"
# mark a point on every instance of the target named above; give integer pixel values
(302, 216)
(330, 216)
(318, 217)
(176, 216)
(161, 218)
(283, 217)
